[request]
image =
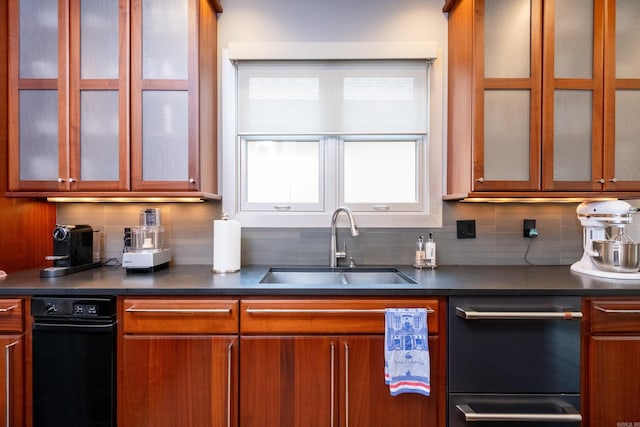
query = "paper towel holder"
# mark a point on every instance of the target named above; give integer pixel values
(226, 245)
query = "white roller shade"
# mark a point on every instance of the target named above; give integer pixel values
(332, 97)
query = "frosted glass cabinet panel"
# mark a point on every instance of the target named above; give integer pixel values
(507, 38)
(627, 141)
(165, 39)
(99, 135)
(627, 39)
(165, 136)
(506, 135)
(573, 50)
(99, 39)
(39, 135)
(38, 39)
(572, 152)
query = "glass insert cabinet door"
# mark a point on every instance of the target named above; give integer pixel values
(164, 101)
(507, 138)
(573, 95)
(37, 88)
(99, 121)
(622, 96)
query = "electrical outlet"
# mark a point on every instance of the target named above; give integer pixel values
(529, 229)
(466, 229)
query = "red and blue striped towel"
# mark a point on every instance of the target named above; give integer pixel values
(407, 366)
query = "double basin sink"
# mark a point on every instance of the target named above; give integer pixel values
(317, 276)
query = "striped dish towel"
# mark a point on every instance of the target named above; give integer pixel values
(406, 362)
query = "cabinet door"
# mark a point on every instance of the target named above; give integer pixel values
(98, 97)
(622, 96)
(573, 95)
(614, 380)
(365, 399)
(508, 87)
(37, 95)
(164, 97)
(288, 381)
(12, 380)
(178, 380)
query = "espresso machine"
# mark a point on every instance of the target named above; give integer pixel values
(144, 249)
(608, 251)
(73, 250)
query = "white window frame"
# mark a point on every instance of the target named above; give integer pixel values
(429, 215)
(281, 206)
(382, 207)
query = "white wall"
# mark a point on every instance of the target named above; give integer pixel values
(332, 21)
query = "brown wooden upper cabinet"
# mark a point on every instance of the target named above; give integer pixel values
(112, 95)
(542, 98)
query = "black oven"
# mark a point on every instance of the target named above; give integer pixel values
(514, 361)
(74, 364)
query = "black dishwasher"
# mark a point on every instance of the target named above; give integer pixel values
(74, 365)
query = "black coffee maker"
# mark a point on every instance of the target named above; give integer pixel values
(72, 250)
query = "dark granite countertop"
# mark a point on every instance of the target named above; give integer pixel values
(198, 280)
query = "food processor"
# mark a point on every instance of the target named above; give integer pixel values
(608, 251)
(144, 249)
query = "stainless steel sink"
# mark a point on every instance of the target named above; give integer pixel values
(335, 276)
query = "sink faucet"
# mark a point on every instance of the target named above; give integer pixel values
(335, 254)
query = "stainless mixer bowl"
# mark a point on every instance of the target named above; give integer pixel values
(616, 256)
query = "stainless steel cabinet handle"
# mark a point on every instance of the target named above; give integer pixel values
(11, 308)
(471, 314)
(319, 311)
(571, 415)
(178, 310)
(7, 384)
(229, 364)
(333, 384)
(617, 310)
(346, 382)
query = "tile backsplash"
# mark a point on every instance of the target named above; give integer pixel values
(499, 240)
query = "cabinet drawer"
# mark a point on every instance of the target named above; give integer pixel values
(333, 316)
(11, 315)
(180, 315)
(615, 315)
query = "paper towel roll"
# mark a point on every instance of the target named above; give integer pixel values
(226, 246)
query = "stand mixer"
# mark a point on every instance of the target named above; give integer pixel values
(608, 252)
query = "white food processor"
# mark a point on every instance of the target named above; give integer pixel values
(145, 251)
(608, 251)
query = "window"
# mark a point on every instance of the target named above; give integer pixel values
(308, 136)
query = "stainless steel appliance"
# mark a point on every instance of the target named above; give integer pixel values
(514, 361)
(144, 248)
(608, 252)
(72, 250)
(74, 364)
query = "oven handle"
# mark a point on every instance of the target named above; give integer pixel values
(85, 327)
(571, 415)
(471, 314)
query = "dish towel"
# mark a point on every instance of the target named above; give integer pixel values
(406, 362)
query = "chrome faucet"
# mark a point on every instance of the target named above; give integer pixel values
(335, 254)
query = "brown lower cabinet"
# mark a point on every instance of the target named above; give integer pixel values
(612, 381)
(268, 362)
(320, 362)
(12, 386)
(178, 362)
